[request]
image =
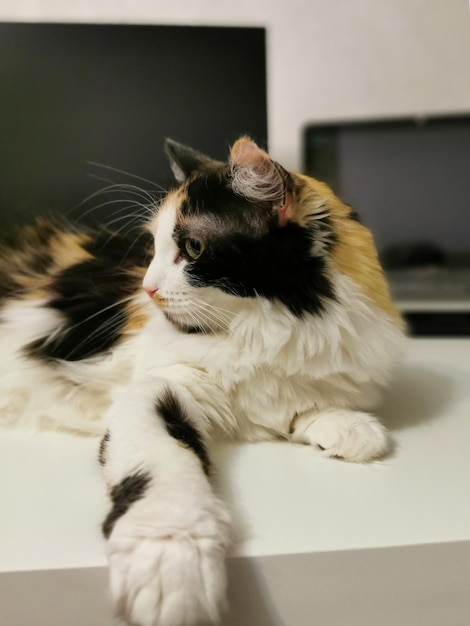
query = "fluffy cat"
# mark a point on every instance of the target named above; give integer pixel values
(264, 314)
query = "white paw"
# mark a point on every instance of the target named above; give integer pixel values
(167, 565)
(350, 435)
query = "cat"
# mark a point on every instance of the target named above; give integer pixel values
(264, 314)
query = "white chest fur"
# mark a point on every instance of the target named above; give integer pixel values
(273, 365)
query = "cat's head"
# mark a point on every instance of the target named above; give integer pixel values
(232, 233)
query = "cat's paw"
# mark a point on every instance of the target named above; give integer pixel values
(168, 569)
(350, 435)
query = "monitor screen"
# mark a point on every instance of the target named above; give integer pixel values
(77, 95)
(409, 180)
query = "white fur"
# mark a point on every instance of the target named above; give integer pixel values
(350, 435)
(265, 373)
(167, 553)
(167, 558)
(271, 365)
(72, 396)
(258, 182)
(161, 270)
(251, 379)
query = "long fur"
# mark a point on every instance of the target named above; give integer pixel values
(269, 318)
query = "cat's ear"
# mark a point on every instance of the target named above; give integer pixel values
(184, 161)
(258, 178)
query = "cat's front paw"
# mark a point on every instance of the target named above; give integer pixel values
(167, 566)
(350, 435)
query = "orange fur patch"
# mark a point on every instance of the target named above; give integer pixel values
(354, 253)
(136, 319)
(43, 243)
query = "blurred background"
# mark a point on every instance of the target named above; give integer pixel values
(373, 97)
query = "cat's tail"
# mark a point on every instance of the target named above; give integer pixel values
(167, 533)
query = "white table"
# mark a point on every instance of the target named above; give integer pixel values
(319, 541)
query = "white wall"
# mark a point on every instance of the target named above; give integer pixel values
(327, 58)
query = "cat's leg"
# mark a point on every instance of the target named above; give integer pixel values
(166, 532)
(350, 435)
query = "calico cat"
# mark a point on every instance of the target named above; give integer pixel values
(264, 314)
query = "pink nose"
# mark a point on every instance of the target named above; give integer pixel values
(150, 292)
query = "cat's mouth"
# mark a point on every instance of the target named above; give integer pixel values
(156, 297)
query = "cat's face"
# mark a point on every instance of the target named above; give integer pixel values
(234, 233)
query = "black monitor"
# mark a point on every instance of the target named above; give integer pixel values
(73, 95)
(408, 179)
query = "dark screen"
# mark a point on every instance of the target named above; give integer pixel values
(408, 180)
(75, 93)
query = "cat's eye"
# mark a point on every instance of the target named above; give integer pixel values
(194, 248)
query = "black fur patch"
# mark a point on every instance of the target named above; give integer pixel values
(325, 231)
(128, 491)
(89, 296)
(103, 448)
(180, 427)
(122, 250)
(248, 254)
(211, 194)
(8, 286)
(277, 265)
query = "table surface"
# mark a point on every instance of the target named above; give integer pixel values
(285, 498)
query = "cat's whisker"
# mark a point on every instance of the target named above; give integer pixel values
(210, 313)
(213, 314)
(144, 211)
(119, 171)
(127, 216)
(133, 219)
(108, 325)
(135, 241)
(230, 288)
(200, 322)
(146, 194)
(116, 188)
(225, 316)
(213, 307)
(140, 209)
(190, 312)
(90, 317)
(210, 316)
(137, 199)
(124, 226)
(103, 190)
(197, 322)
(108, 203)
(195, 298)
(102, 178)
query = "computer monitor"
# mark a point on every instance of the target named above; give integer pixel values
(409, 181)
(73, 95)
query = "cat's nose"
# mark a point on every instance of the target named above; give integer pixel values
(150, 292)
